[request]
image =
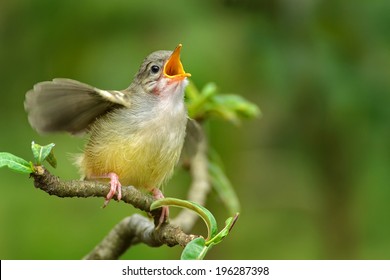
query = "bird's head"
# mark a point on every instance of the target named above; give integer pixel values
(162, 73)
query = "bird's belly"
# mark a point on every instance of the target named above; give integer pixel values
(142, 159)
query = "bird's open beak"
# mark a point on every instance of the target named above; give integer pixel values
(173, 68)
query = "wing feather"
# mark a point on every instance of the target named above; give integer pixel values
(69, 105)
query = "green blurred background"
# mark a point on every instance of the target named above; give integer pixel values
(312, 174)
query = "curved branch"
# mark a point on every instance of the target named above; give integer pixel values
(136, 229)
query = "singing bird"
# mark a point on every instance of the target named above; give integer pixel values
(135, 135)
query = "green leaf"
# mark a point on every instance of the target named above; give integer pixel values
(198, 248)
(231, 107)
(222, 185)
(205, 214)
(210, 89)
(224, 113)
(198, 102)
(209, 103)
(15, 163)
(229, 223)
(42, 153)
(195, 250)
(51, 159)
(238, 104)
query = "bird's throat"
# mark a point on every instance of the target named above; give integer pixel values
(169, 88)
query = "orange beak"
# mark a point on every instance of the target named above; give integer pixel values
(173, 68)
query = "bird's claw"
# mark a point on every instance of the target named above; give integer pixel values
(115, 187)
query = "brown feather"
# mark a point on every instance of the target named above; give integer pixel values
(64, 105)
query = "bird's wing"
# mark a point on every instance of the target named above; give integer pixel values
(68, 105)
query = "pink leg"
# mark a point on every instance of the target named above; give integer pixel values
(157, 194)
(115, 187)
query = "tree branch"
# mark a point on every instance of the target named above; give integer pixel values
(123, 234)
(51, 184)
(136, 228)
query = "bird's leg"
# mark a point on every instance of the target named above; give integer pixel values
(114, 184)
(157, 194)
(115, 187)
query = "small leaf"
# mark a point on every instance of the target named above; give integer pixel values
(15, 163)
(238, 104)
(51, 159)
(195, 250)
(36, 150)
(198, 248)
(209, 103)
(209, 89)
(198, 101)
(41, 153)
(224, 113)
(205, 214)
(229, 223)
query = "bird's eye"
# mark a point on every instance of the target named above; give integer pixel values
(154, 69)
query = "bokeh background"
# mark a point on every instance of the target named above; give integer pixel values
(312, 174)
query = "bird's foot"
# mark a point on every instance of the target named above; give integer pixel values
(157, 194)
(115, 186)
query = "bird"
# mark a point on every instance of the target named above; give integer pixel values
(135, 135)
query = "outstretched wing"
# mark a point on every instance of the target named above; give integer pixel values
(68, 105)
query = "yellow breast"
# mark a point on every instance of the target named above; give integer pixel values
(141, 154)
